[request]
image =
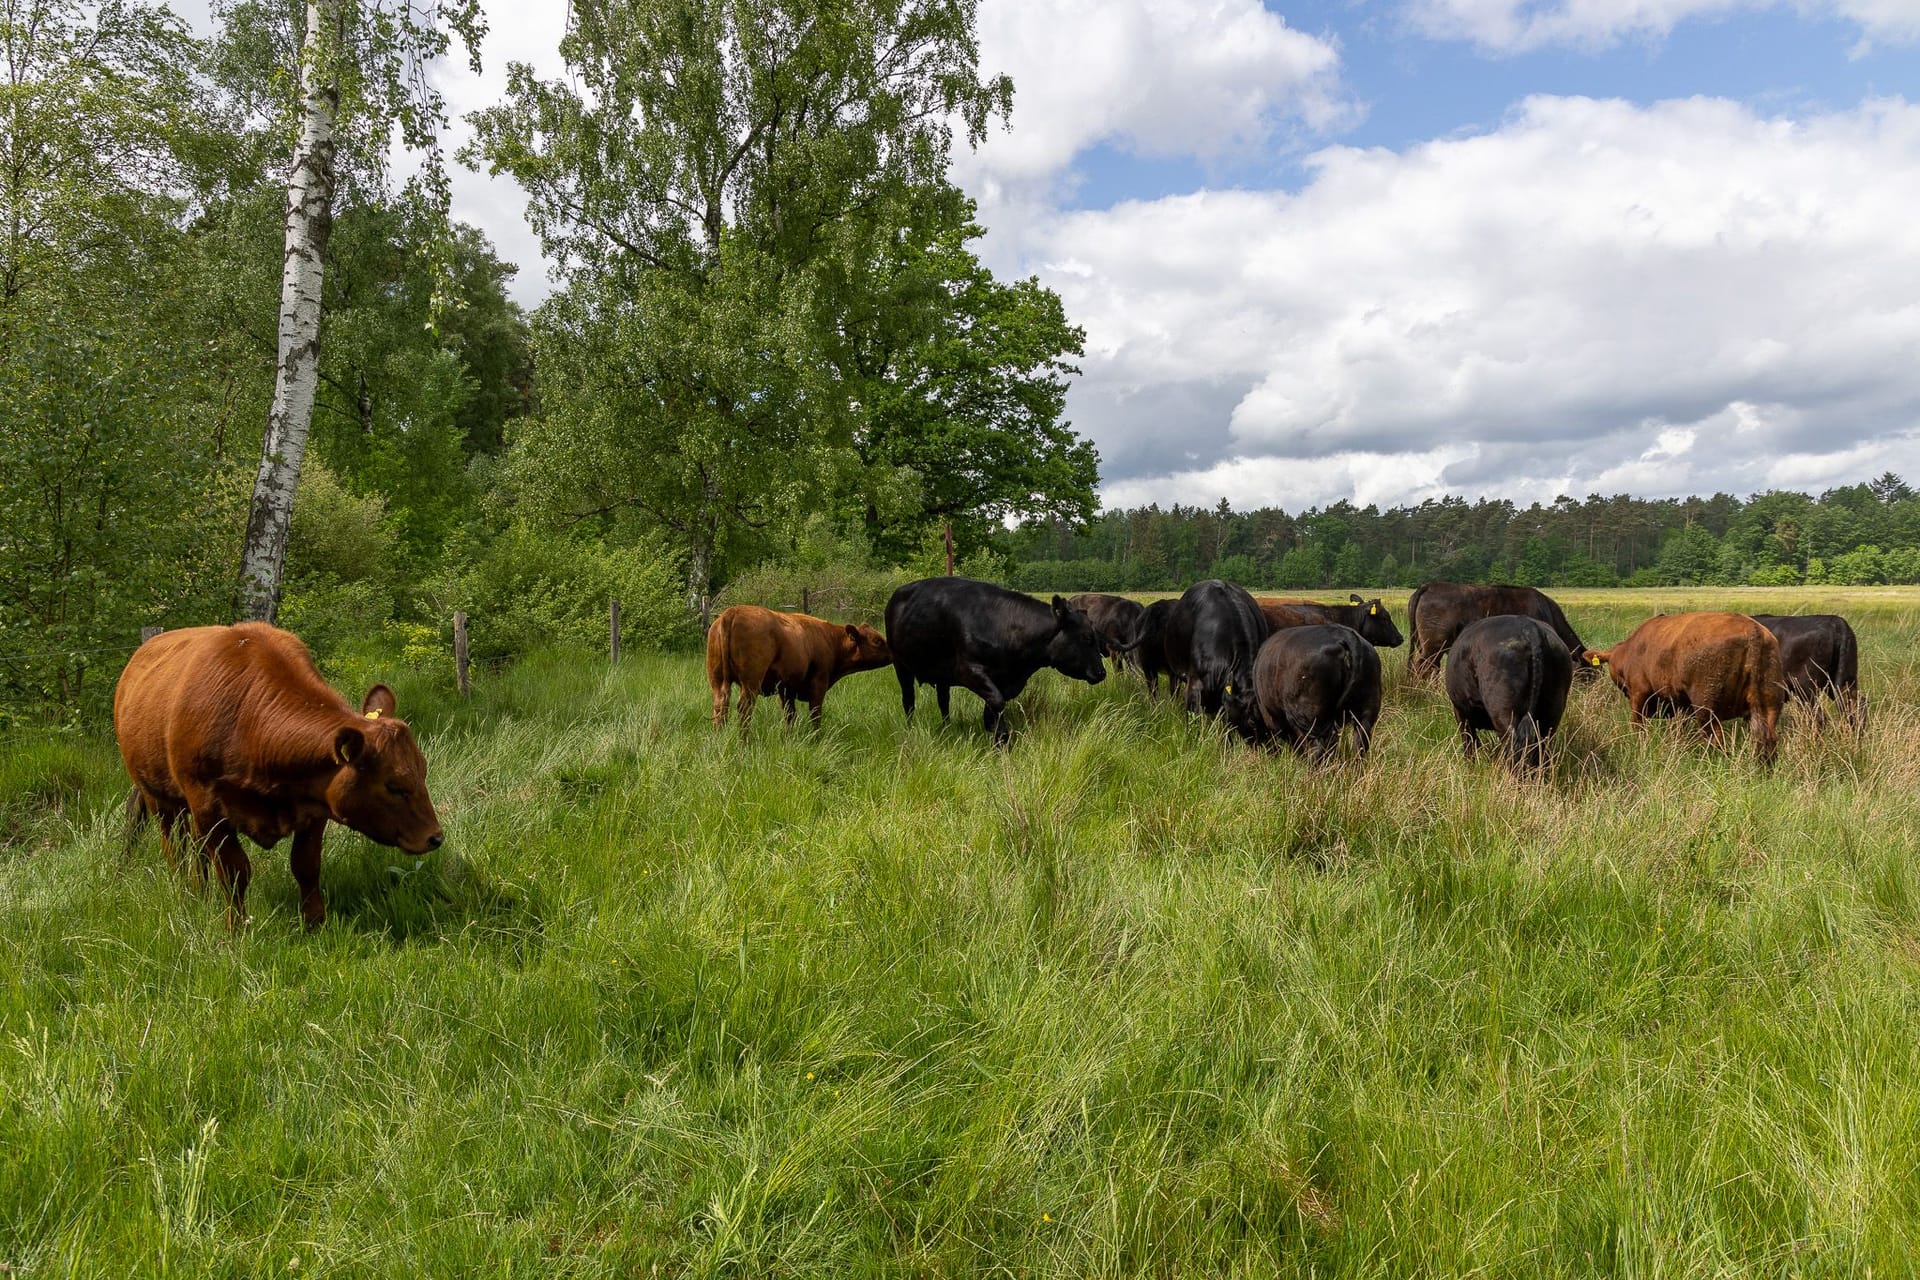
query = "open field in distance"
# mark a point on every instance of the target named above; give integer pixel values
(1130, 999)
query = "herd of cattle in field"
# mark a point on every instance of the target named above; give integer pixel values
(1296, 671)
(232, 732)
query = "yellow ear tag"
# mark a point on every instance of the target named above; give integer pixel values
(340, 753)
(1372, 609)
(374, 714)
(1229, 688)
(1594, 658)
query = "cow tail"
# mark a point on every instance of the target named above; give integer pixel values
(136, 816)
(717, 672)
(1413, 627)
(1526, 742)
(1847, 680)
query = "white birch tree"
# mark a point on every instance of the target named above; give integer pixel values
(361, 71)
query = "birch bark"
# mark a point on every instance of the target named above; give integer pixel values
(297, 373)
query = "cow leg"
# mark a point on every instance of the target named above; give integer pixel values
(720, 692)
(229, 861)
(1362, 738)
(1469, 739)
(943, 693)
(786, 704)
(975, 678)
(749, 694)
(906, 691)
(306, 872)
(1709, 724)
(1764, 723)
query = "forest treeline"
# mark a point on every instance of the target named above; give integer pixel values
(1853, 535)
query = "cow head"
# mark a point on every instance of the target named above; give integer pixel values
(1595, 659)
(1076, 649)
(1240, 707)
(1376, 624)
(863, 649)
(380, 787)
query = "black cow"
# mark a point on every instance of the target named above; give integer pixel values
(1819, 654)
(956, 631)
(1509, 675)
(1149, 647)
(1370, 618)
(1313, 681)
(1213, 633)
(1115, 619)
(1440, 611)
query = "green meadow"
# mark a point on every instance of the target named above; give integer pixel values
(1129, 999)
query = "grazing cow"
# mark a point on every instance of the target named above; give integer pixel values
(1440, 611)
(1370, 618)
(1116, 620)
(793, 654)
(1313, 681)
(234, 728)
(1820, 655)
(1149, 648)
(1213, 633)
(1719, 666)
(1509, 675)
(956, 631)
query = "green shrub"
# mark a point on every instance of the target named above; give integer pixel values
(532, 589)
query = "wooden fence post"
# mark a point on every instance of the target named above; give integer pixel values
(949, 549)
(613, 632)
(460, 653)
(148, 633)
(806, 601)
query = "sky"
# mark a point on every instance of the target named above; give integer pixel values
(1385, 250)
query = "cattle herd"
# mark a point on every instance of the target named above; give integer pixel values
(233, 730)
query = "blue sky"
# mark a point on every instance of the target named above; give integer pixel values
(1413, 88)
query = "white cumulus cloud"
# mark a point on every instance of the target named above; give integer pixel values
(1565, 301)
(1160, 78)
(1515, 26)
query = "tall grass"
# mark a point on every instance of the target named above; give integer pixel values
(1129, 999)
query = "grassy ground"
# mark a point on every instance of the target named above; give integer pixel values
(1126, 1000)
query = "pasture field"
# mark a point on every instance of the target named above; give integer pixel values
(1130, 999)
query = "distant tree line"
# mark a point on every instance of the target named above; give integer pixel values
(1856, 534)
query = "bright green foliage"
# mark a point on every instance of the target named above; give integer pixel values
(111, 499)
(1129, 1000)
(529, 589)
(770, 308)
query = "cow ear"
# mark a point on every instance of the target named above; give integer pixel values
(379, 702)
(853, 633)
(1354, 596)
(348, 744)
(1060, 607)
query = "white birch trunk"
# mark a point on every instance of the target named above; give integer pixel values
(297, 375)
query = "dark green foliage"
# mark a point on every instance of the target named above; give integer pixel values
(1855, 535)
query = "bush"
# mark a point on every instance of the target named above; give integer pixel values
(842, 592)
(532, 589)
(1774, 575)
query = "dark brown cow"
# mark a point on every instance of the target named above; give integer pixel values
(1440, 611)
(1116, 620)
(1370, 618)
(233, 727)
(1719, 666)
(792, 654)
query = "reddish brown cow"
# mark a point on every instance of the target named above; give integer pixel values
(234, 728)
(1719, 666)
(792, 654)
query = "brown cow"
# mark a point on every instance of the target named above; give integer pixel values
(233, 727)
(792, 654)
(1719, 666)
(1368, 617)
